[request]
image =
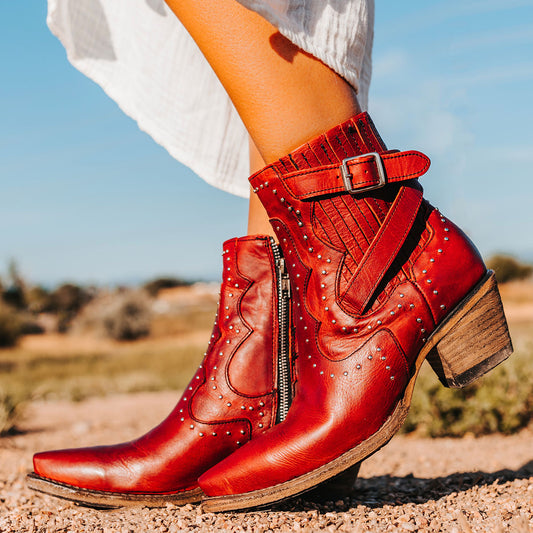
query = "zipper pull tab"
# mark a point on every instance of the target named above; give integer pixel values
(284, 279)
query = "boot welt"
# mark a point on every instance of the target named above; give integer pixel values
(110, 500)
(466, 308)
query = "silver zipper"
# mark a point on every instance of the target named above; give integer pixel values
(284, 361)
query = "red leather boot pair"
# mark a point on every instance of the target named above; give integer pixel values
(381, 280)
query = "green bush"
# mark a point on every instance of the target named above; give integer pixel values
(502, 401)
(508, 268)
(10, 410)
(10, 325)
(154, 286)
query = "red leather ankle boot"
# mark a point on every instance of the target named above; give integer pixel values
(242, 388)
(380, 281)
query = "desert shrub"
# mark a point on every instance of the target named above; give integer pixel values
(502, 401)
(38, 299)
(123, 315)
(507, 268)
(154, 286)
(10, 410)
(10, 325)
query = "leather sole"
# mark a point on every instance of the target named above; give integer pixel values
(486, 354)
(110, 500)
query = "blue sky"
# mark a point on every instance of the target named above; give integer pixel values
(86, 196)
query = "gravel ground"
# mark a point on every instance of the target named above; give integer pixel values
(412, 484)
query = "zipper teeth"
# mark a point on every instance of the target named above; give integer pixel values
(284, 381)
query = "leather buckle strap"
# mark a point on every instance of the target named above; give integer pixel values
(347, 175)
(355, 175)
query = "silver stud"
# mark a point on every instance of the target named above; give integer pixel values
(282, 200)
(220, 396)
(358, 367)
(423, 340)
(323, 297)
(306, 340)
(229, 404)
(345, 373)
(424, 271)
(322, 286)
(401, 295)
(355, 330)
(243, 408)
(214, 387)
(319, 256)
(439, 250)
(378, 349)
(191, 426)
(428, 281)
(343, 328)
(446, 229)
(231, 327)
(305, 237)
(214, 434)
(326, 308)
(379, 322)
(275, 191)
(321, 372)
(260, 425)
(370, 357)
(432, 260)
(328, 260)
(297, 211)
(231, 295)
(185, 398)
(237, 331)
(228, 342)
(446, 239)
(300, 223)
(387, 367)
(237, 285)
(422, 330)
(310, 250)
(333, 321)
(392, 312)
(412, 306)
(261, 413)
(212, 379)
(399, 306)
(238, 443)
(369, 326)
(383, 358)
(392, 378)
(181, 410)
(243, 432)
(290, 208)
(250, 408)
(220, 353)
(443, 306)
(277, 228)
(332, 375)
(314, 365)
(419, 320)
(182, 419)
(324, 272)
(201, 434)
(435, 292)
(261, 404)
(228, 432)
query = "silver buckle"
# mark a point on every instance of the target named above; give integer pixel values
(347, 177)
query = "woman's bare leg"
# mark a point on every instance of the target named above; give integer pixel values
(283, 95)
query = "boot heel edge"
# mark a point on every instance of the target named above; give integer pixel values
(474, 339)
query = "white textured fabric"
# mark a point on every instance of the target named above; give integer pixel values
(145, 60)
